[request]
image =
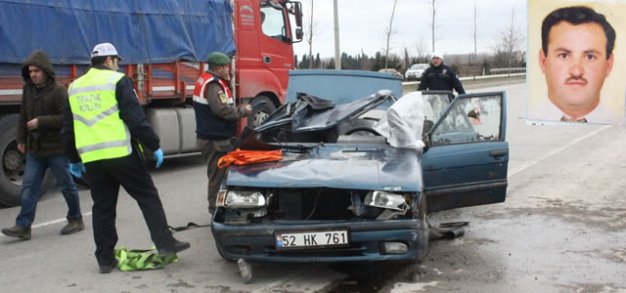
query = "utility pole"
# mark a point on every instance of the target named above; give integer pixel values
(337, 50)
(432, 25)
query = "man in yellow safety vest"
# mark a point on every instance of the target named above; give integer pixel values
(103, 121)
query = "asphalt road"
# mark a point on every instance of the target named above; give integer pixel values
(561, 229)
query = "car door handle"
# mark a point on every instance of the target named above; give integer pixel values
(497, 153)
(267, 59)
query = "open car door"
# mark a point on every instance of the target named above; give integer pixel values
(466, 159)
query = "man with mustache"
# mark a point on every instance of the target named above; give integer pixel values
(576, 57)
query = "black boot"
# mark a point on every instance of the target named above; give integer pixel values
(105, 269)
(178, 246)
(17, 231)
(73, 226)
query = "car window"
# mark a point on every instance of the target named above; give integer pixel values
(435, 105)
(473, 119)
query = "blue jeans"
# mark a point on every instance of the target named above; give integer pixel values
(31, 187)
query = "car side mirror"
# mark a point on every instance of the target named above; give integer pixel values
(299, 35)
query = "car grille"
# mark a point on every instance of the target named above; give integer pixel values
(310, 204)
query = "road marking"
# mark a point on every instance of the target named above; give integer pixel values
(556, 151)
(50, 223)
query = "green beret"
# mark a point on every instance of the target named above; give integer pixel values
(218, 58)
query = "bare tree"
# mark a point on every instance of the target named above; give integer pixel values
(364, 61)
(509, 45)
(309, 33)
(407, 58)
(390, 32)
(433, 23)
(475, 30)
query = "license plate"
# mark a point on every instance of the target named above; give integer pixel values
(312, 239)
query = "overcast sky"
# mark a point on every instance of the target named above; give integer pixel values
(362, 25)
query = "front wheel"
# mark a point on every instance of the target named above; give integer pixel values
(262, 107)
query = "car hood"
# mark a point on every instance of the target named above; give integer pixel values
(341, 166)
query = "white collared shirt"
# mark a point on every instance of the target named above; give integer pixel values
(548, 112)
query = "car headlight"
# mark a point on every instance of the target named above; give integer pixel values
(386, 200)
(242, 199)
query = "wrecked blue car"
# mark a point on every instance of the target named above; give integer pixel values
(357, 179)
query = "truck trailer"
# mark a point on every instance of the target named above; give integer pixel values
(164, 45)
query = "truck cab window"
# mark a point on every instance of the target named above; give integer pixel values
(273, 22)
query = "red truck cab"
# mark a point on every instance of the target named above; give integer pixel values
(164, 54)
(264, 55)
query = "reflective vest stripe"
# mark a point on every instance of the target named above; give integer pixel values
(200, 100)
(203, 81)
(91, 88)
(106, 113)
(108, 144)
(199, 95)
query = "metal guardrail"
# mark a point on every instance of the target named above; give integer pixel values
(507, 70)
(492, 76)
(481, 77)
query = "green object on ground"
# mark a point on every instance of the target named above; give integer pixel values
(141, 260)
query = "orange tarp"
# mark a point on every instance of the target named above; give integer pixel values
(243, 157)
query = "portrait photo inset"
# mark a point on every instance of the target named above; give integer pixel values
(576, 57)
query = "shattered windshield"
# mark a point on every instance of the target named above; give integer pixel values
(317, 120)
(311, 120)
(314, 119)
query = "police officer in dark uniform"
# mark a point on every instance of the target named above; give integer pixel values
(103, 122)
(440, 77)
(216, 118)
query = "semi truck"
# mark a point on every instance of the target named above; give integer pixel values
(164, 45)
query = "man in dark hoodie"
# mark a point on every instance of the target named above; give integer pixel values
(440, 77)
(39, 137)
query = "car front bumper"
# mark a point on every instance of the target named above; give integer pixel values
(256, 242)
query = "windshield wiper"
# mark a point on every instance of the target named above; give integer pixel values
(300, 148)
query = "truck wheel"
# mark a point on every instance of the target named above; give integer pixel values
(12, 169)
(262, 107)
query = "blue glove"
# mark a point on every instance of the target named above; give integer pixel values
(77, 169)
(158, 156)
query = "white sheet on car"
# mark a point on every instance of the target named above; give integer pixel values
(403, 122)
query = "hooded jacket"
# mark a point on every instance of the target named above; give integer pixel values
(47, 104)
